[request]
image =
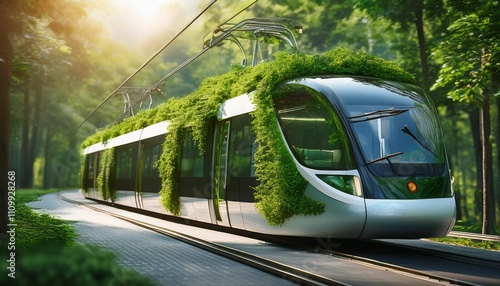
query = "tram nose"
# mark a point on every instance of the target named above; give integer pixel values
(409, 218)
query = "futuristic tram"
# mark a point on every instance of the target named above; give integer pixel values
(370, 150)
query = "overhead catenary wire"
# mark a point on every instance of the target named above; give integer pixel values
(146, 63)
(205, 48)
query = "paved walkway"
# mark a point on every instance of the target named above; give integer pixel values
(166, 260)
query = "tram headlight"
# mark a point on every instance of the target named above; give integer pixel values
(412, 186)
(348, 184)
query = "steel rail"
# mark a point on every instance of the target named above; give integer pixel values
(287, 272)
(292, 273)
(398, 269)
(474, 236)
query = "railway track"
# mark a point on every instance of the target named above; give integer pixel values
(405, 258)
(474, 236)
(288, 271)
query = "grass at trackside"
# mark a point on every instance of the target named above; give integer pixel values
(489, 245)
(46, 253)
(469, 226)
(36, 229)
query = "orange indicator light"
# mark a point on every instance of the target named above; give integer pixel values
(412, 186)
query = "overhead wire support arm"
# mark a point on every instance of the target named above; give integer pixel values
(278, 27)
(127, 93)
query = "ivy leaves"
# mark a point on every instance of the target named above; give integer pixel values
(106, 175)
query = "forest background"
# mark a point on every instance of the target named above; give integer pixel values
(60, 59)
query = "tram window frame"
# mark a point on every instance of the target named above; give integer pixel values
(125, 166)
(241, 178)
(192, 160)
(242, 147)
(124, 162)
(152, 149)
(332, 153)
(150, 152)
(91, 165)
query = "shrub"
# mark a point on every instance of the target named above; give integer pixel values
(46, 254)
(51, 264)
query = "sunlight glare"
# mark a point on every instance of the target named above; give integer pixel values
(134, 21)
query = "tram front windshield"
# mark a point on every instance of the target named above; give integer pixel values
(397, 129)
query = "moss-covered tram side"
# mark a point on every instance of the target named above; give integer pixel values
(280, 193)
(106, 177)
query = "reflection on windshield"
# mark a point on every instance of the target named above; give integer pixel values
(399, 141)
(313, 133)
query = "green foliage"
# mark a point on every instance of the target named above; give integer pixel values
(75, 265)
(474, 227)
(490, 245)
(469, 57)
(105, 178)
(470, 68)
(37, 229)
(470, 226)
(169, 168)
(46, 254)
(81, 174)
(280, 193)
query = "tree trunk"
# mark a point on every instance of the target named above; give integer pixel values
(26, 177)
(453, 165)
(6, 57)
(488, 200)
(474, 119)
(48, 159)
(488, 192)
(35, 130)
(419, 23)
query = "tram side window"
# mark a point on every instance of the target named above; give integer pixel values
(192, 164)
(242, 147)
(313, 133)
(152, 152)
(90, 172)
(90, 166)
(124, 162)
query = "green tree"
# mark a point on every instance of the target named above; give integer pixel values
(408, 13)
(470, 56)
(17, 19)
(69, 66)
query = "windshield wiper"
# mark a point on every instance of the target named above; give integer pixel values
(377, 114)
(385, 157)
(407, 131)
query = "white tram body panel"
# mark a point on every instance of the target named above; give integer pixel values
(408, 218)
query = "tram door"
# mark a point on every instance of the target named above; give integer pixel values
(220, 173)
(234, 171)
